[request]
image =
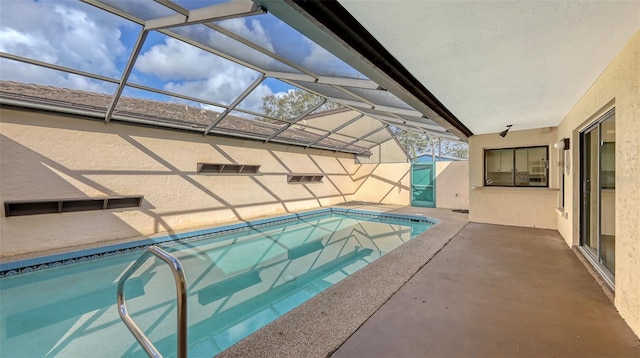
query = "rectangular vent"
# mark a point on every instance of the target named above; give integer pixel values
(226, 169)
(36, 207)
(82, 205)
(304, 178)
(124, 202)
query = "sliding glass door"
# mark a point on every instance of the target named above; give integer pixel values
(598, 173)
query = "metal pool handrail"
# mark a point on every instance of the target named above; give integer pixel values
(181, 296)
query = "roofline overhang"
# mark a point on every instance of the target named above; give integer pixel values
(341, 34)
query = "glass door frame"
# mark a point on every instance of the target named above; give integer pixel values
(591, 255)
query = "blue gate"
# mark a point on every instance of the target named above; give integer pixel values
(423, 187)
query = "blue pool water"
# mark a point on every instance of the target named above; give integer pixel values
(237, 283)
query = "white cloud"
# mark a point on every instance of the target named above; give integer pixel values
(87, 44)
(80, 36)
(194, 72)
(253, 102)
(20, 72)
(324, 63)
(14, 42)
(176, 60)
(73, 35)
(145, 10)
(254, 31)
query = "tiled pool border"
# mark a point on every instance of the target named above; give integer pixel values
(43, 262)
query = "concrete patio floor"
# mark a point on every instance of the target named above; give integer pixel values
(458, 290)
(497, 291)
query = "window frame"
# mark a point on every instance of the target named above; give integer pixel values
(513, 165)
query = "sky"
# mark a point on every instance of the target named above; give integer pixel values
(79, 36)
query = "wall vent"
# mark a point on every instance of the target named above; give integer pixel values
(225, 169)
(304, 178)
(36, 207)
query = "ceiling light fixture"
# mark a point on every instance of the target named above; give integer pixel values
(504, 132)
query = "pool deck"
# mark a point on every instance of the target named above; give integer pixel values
(458, 290)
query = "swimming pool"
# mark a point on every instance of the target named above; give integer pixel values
(240, 278)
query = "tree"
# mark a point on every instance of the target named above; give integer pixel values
(292, 104)
(417, 144)
(414, 143)
(457, 150)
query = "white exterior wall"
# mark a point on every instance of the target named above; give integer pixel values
(452, 185)
(617, 87)
(46, 156)
(528, 207)
(383, 183)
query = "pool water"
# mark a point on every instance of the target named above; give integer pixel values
(237, 283)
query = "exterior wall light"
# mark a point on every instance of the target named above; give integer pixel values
(562, 144)
(504, 132)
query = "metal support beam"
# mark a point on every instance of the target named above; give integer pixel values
(223, 11)
(395, 138)
(291, 76)
(347, 102)
(408, 123)
(127, 71)
(447, 136)
(437, 133)
(348, 82)
(173, 94)
(325, 80)
(210, 50)
(173, 6)
(352, 94)
(56, 67)
(335, 130)
(114, 11)
(262, 50)
(297, 119)
(392, 137)
(233, 105)
(404, 111)
(363, 137)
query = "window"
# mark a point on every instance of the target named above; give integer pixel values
(526, 167)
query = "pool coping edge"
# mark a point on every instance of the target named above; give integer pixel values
(16, 267)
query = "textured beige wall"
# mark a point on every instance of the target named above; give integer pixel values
(618, 86)
(452, 185)
(528, 207)
(384, 183)
(47, 156)
(388, 152)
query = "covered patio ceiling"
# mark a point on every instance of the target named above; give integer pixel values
(495, 63)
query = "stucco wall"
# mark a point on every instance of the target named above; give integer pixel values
(383, 183)
(528, 207)
(618, 86)
(52, 157)
(387, 152)
(452, 185)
